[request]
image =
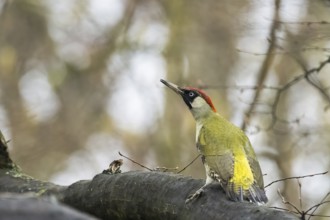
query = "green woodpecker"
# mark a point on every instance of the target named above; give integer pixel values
(226, 151)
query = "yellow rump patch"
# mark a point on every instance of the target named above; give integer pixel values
(243, 175)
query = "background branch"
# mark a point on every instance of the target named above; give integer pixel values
(269, 59)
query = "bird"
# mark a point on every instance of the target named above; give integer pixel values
(226, 151)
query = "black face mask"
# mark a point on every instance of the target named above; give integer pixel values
(189, 96)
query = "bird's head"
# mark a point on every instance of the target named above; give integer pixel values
(197, 101)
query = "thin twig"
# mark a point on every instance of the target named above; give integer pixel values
(279, 91)
(294, 81)
(317, 205)
(239, 87)
(260, 54)
(319, 87)
(323, 216)
(303, 214)
(287, 202)
(134, 161)
(324, 198)
(163, 169)
(323, 49)
(189, 163)
(283, 209)
(296, 177)
(300, 200)
(302, 22)
(287, 210)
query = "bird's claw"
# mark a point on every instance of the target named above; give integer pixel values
(194, 196)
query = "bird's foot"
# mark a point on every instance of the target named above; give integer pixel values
(194, 196)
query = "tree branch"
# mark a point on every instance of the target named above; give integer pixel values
(149, 195)
(296, 177)
(137, 194)
(267, 62)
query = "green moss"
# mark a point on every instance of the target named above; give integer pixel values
(41, 192)
(16, 172)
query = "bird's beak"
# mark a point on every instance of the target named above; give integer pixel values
(172, 86)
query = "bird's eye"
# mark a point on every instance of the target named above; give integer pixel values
(191, 94)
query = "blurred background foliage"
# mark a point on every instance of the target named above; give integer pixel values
(79, 81)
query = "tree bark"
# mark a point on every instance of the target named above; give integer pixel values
(28, 207)
(137, 195)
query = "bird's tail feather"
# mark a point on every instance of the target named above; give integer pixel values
(254, 194)
(257, 195)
